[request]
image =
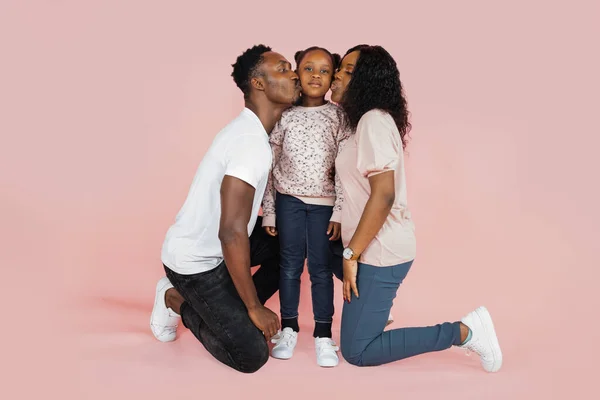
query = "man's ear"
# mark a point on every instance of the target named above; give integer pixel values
(258, 83)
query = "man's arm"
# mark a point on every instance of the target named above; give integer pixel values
(236, 208)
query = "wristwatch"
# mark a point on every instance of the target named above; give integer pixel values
(349, 254)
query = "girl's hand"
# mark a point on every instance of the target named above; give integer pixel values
(335, 230)
(350, 272)
(271, 230)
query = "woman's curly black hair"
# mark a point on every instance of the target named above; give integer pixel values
(375, 84)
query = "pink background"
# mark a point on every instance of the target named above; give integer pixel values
(106, 109)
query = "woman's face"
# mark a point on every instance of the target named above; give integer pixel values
(343, 75)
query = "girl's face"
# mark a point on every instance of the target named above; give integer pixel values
(343, 76)
(315, 72)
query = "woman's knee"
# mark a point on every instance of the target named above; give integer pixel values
(351, 354)
(351, 351)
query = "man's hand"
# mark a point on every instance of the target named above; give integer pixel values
(335, 230)
(350, 272)
(271, 230)
(265, 320)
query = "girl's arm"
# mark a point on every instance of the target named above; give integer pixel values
(339, 200)
(341, 135)
(268, 203)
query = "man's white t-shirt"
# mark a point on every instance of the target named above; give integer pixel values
(241, 150)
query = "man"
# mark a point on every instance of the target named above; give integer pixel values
(207, 252)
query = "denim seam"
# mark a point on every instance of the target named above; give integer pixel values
(307, 258)
(218, 321)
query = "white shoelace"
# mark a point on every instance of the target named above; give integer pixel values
(283, 338)
(326, 345)
(475, 347)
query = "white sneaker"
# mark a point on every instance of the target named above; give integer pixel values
(326, 352)
(163, 320)
(285, 343)
(483, 340)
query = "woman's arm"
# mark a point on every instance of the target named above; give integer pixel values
(378, 154)
(376, 210)
(372, 219)
(378, 149)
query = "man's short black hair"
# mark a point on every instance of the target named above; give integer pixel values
(247, 66)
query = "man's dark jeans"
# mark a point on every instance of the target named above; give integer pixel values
(216, 314)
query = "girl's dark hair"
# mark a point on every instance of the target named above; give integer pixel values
(335, 58)
(375, 84)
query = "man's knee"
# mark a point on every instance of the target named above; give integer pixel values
(253, 358)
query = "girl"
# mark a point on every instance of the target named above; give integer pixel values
(303, 201)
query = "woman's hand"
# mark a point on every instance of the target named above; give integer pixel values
(335, 230)
(350, 272)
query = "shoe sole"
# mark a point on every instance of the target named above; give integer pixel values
(282, 358)
(328, 364)
(488, 326)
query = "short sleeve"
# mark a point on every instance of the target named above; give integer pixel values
(248, 159)
(378, 145)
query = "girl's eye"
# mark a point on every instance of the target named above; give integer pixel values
(308, 69)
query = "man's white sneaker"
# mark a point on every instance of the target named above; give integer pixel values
(483, 340)
(285, 343)
(326, 352)
(163, 320)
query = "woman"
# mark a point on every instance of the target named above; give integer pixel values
(377, 230)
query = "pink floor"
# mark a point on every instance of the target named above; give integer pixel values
(107, 107)
(120, 359)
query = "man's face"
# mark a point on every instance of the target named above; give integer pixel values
(281, 83)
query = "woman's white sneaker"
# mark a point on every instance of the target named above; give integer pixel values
(285, 343)
(326, 352)
(483, 340)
